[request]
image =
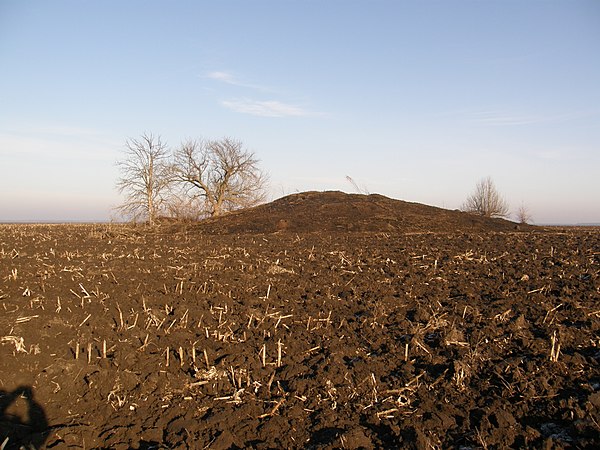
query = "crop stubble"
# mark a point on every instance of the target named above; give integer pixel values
(133, 338)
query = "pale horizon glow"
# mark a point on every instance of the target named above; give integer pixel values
(415, 100)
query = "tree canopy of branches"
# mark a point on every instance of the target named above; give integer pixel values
(221, 173)
(486, 200)
(144, 177)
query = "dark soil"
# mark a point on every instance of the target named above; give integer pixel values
(319, 212)
(122, 337)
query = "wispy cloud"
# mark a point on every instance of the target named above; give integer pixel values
(552, 155)
(261, 108)
(267, 108)
(233, 80)
(503, 118)
(57, 143)
(498, 118)
(225, 77)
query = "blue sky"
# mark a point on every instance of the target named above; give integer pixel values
(416, 100)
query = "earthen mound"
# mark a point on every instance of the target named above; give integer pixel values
(335, 211)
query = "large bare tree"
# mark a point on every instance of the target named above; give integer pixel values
(145, 176)
(221, 173)
(486, 200)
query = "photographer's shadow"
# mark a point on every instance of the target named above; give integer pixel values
(23, 423)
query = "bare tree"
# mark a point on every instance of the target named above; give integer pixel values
(221, 173)
(144, 177)
(523, 214)
(486, 201)
(181, 207)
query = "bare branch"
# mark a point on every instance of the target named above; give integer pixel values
(360, 189)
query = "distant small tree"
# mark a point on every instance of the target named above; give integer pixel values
(486, 200)
(523, 214)
(144, 177)
(221, 174)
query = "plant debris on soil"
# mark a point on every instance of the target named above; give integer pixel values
(317, 321)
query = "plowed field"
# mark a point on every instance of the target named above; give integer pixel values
(114, 336)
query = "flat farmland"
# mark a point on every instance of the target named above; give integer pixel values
(115, 336)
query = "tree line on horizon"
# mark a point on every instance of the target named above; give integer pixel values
(206, 178)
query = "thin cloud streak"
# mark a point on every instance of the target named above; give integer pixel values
(231, 79)
(260, 108)
(268, 108)
(225, 77)
(551, 155)
(499, 118)
(57, 145)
